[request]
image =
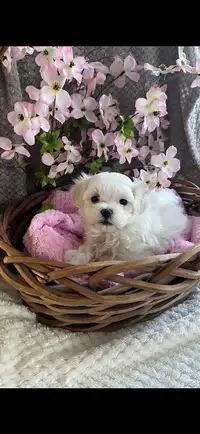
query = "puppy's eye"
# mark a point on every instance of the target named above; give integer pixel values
(123, 202)
(94, 199)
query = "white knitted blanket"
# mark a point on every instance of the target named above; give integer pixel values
(161, 353)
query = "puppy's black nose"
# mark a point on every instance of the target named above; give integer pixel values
(106, 212)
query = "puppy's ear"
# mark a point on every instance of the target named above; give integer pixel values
(140, 192)
(78, 189)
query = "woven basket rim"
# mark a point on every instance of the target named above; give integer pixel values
(87, 306)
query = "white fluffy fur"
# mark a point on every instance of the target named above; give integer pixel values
(143, 227)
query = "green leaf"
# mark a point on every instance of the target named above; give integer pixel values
(127, 128)
(21, 165)
(46, 207)
(96, 165)
(44, 183)
(52, 182)
(84, 124)
(56, 134)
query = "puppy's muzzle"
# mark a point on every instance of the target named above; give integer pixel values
(106, 214)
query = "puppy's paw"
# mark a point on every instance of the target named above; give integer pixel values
(76, 257)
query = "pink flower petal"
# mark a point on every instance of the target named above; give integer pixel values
(19, 108)
(67, 54)
(175, 165)
(67, 142)
(41, 109)
(144, 151)
(171, 152)
(76, 101)
(129, 63)
(53, 172)
(47, 159)
(117, 67)
(77, 114)
(63, 99)
(134, 76)
(8, 155)
(109, 139)
(49, 73)
(35, 123)
(5, 144)
(59, 116)
(22, 150)
(98, 136)
(196, 82)
(100, 78)
(29, 137)
(42, 60)
(47, 94)
(45, 125)
(198, 66)
(122, 159)
(100, 67)
(33, 92)
(13, 118)
(90, 116)
(62, 166)
(78, 77)
(141, 104)
(90, 103)
(157, 160)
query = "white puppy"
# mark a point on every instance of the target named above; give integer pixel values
(124, 219)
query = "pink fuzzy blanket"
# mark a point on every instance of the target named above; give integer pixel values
(57, 230)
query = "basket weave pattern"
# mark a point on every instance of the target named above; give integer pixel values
(163, 280)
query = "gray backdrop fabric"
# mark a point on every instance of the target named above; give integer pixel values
(183, 107)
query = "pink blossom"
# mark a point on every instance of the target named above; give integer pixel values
(121, 69)
(182, 62)
(100, 67)
(71, 67)
(54, 91)
(33, 92)
(47, 159)
(27, 49)
(164, 123)
(167, 163)
(108, 109)
(102, 142)
(162, 69)
(21, 120)
(152, 108)
(46, 55)
(94, 74)
(153, 147)
(196, 81)
(44, 109)
(68, 158)
(83, 107)
(162, 180)
(10, 150)
(155, 180)
(127, 150)
(99, 79)
(18, 53)
(53, 172)
(147, 177)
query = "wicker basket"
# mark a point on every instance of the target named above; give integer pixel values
(2, 51)
(162, 282)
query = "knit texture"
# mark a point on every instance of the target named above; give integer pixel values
(160, 353)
